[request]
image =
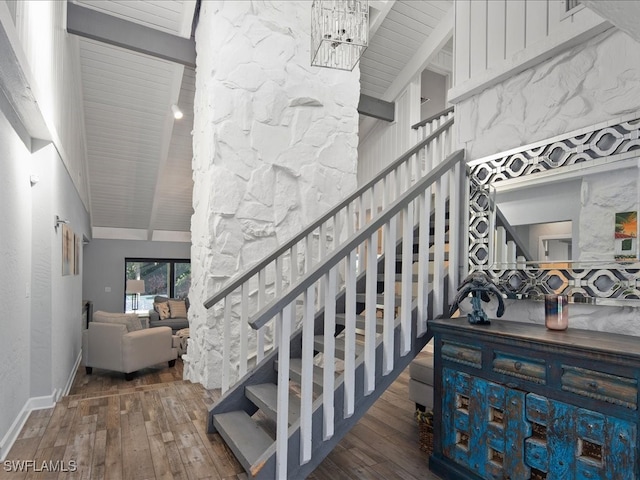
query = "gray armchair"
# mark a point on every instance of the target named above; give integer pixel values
(111, 347)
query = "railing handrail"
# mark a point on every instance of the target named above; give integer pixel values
(270, 310)
(422, 123)
(503, 222)
(235, 282)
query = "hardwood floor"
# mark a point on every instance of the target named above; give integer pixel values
(154, 427)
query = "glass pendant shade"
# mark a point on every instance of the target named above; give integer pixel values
(339, 32)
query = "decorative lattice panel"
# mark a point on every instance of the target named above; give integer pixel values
(600, 145)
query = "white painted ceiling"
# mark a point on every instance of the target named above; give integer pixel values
(139, 156)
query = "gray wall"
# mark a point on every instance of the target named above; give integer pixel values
(41, 317)
(104, 267)
(433, 87)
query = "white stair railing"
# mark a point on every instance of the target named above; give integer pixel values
(324, 274)
(249, 292)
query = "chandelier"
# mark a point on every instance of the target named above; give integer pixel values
(339, 32)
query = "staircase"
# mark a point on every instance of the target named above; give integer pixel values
(320, 355)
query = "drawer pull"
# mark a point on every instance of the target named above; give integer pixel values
(601, 386)
(532, 370)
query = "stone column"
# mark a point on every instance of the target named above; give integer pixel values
(275, 145)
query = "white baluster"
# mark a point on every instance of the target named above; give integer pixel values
(423, 262)
(262, 299)
(244, 327)
(328, 380)
(390, 236)
(370, 316)
(226, 360)
(454, 229)
(407, 275)
(282, 416)
(438, 248)
(306, 383)
(350, 336)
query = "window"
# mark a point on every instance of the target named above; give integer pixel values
(166, 277)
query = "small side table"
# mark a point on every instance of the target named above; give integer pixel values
(183, 335)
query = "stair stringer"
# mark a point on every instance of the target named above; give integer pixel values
(321, 448)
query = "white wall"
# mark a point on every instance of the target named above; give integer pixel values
(496, 39)
(42, 320)
(53, 60)
(586, 85)
(275, 146)
(104, 267)
(387, 141)
(15, 259)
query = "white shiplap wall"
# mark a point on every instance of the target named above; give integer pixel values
(495, 39)
(53, 59)
(387, 141)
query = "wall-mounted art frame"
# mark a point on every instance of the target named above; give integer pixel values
(76, 257)
(68, 253)
(597, 146)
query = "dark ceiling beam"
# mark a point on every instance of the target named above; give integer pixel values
(88, 23)
(376, 108)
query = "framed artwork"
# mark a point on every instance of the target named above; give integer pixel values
(625, 236)
(76, 257)
(68, 255)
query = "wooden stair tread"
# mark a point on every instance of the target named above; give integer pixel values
(341, 319)
(295, 373)
(265, 397)
(361, 298)
(340, 348)
(245, 438)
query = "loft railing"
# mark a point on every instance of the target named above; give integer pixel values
(298, 305)
(249, 292)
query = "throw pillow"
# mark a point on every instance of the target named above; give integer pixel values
(163, 310)
(130, 320)
(178, 308)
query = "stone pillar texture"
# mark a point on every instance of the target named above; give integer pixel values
(275, 146)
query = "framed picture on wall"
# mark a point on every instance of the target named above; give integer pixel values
(76, 256)
(68, 255)
(625, 238)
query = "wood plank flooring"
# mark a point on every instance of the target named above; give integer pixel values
(154, 427)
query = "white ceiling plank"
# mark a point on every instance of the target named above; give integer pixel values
(383, 8)
(386, 34)
(408, 11)
(400, 21)
(440, 35)
(178, 75)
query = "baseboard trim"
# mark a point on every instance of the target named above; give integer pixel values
(72, 377)
(32, 404)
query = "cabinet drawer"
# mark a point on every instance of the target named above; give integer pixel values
(461, 353)
(525, 368)
(601, 386)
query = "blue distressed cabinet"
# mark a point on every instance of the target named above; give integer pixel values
(517, 401)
